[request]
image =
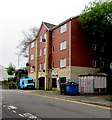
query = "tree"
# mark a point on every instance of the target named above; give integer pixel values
(23, 72)
(96, 20)
(11, 69)
(27, 37)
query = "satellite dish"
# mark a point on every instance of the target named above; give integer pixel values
(43, 39)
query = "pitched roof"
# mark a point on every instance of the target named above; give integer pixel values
(48, 25)
(65, 22)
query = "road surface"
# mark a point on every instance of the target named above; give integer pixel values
(27, 104)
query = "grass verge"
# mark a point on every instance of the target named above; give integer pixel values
(109, 99)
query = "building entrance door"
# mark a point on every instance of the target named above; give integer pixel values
(54, 84)
(41, 83)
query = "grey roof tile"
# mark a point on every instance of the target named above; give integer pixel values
(48, 25)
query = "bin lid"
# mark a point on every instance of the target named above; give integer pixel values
(71, 82)
(62, 84)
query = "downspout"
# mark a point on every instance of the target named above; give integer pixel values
(70, 50)
(36, 68)
(47, 60)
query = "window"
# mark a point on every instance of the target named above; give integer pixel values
(63, 63)
(45, 36)
(32, 44)
(52, 65)
(52, 34)
(102, 48)
(102, 64)
(54, 80)
(63, 28)
(31, 69)
(44, 51)
(52, 49)
(40, 38)
(32, 57)
(63, 45)
(94, 47)
(94, 63)
(44, 66)
(40, 66)
(40, 53)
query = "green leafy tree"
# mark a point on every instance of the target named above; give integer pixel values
(11, 69)
(23, 72)
(96, 20)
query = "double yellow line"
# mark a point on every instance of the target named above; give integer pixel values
(109, 108)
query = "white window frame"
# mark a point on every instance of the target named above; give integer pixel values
(52, 49)
(40, 66)
(63, 28)
(44, 51)
(94, 46)
(63, 63)
(63, 45)
(45, 36)
(102, 48)
(94, 63)
(40, 38)
(40, 52)
(102, 64)
(52, 64)
(44, 66)
(52, 34)
(32, 44)
(32, 57)
(31, 69)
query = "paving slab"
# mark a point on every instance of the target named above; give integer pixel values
(93, 99)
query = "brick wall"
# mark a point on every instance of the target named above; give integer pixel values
(82, 55)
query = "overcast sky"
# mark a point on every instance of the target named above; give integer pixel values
(19, 15)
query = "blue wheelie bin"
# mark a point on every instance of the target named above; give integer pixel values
(71, 87)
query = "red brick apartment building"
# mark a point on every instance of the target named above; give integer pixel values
(59, 54)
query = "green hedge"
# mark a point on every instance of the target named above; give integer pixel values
(9, 85)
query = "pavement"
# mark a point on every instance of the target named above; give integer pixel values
(92, 98)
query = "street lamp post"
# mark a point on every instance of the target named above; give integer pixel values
(18, 58)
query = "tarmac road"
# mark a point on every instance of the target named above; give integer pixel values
(28, 104)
